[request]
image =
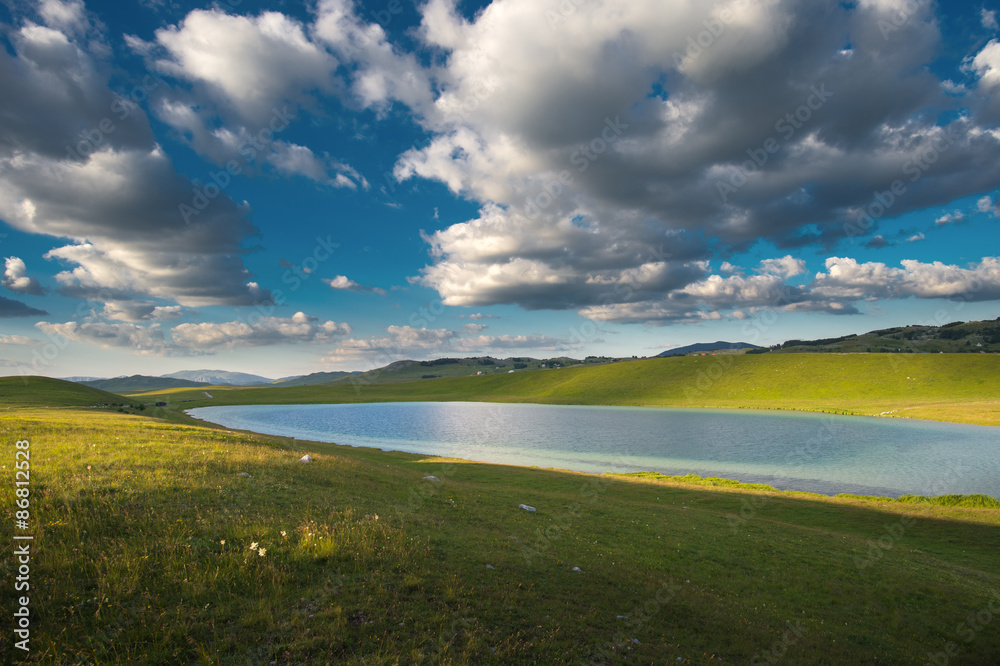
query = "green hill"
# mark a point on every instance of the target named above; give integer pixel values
(955, 337)
(31, 391)
(948, 387)
(311, 379)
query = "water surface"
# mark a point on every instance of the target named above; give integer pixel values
(790, 450)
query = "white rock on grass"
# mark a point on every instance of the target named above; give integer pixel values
(432, 478)
(306, 458)
(525, 507)
(578, 569)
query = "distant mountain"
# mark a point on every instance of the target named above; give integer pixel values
(409, 370)
(706, 347)
(220, 377)
(80, 380)
(313, 379)
(139, 383)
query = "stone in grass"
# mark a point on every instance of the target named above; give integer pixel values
(431, 478)
(577, 569)
(244, 474)
(525, 507)
(306, 458)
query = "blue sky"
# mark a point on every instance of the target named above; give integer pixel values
(284, 188)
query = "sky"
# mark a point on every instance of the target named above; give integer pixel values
(283, 188)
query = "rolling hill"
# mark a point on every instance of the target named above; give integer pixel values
(955, 337)
(948, 387)
(47, 392)
(312, 379)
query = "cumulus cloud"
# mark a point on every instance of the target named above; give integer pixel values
(247, 76)
(576, 172)
(21, 340)
(143, 340)
(404, 342)
(249, 64)
(381, 73)
(845, 284)
(15, 277)
(344, 283)
(299, 328)
(78, 163)
(986, 64)
(950, 217)
(846, 279)
(201, 338)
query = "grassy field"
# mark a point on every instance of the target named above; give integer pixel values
(160, 542)
(962, 388)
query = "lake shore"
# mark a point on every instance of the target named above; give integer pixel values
(365, 558)
(792, 451)
(956, 388)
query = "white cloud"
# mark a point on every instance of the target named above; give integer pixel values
(383, 75)
(580, 165)
(344, 283)
(988, 18)
(300, 328)
(72, 168)
(845, 284)
(65, 16)
(202, 338)
(403, 342)
(20, 340)
(950, 217)
(915, 237)
(144, 340)
(986, 64)
(987, 205)
(786, 267)
(250, 64)
(473, 329)
(846, 279)
(15, 277)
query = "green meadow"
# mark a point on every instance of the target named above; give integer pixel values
(948, 387)
(157, 540)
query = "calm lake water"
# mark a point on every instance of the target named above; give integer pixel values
(790, 450)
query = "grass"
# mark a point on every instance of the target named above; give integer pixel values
(366, 561)
(962, 388)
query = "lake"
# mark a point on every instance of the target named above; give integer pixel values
(790, 450)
